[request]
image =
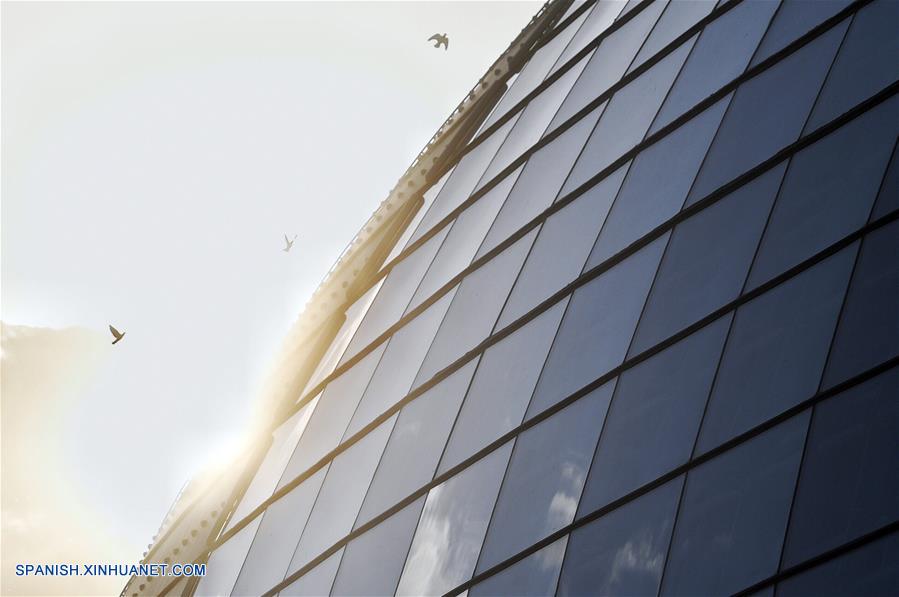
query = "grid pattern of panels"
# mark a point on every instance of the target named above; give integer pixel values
(648, 320)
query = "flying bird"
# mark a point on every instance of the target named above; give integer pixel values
(440, 38)
(116, 334)
(289, 243)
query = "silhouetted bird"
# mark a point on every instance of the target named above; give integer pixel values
(116, 334)
(289, 243)
(440, 38)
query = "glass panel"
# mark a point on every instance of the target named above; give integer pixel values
(532, 122)
(657, 184)
(341, 495)
(534, 576)
(225, 562)
(416, 443)
(597, 328)
(502, 387)
(316, 582)
(561, 248)
(282, 525)
(622, 553)
(867, 334)
(721, 55)
(850, 459)
(660, 401)
(828, 191)
(477, 304)
(625, 121)
(427, 200)
(330, 417)
(463, 241)
(601, 16)
(393, 378)
(888, 198)
(794, 19)
(540, 182)
(452, 526)
(677, 18)
(775, 354)
(542, 487)
(734, 514)
(752, 131)
(869, 571)
(372, 562)
(396, 290)
(707, 260)
(609, 62)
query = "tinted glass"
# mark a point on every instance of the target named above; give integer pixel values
(597, 327)
(734, 514)
(721, 55)
(416, 443)
(625, 121)
(540, 182)
(868, 333)
(794, 19)
(888, 198)
(851, 459)
(475, 308)
(706, 262)
(317, 581)
(601, 16)
(534, 576)
(752, 131)
(372, 562)
(452, 526)
(225, 562)
(502, 387)
(622, 553)
(427, 200)
(677, 18)
(654, 417)
(865, 65)
(542, 486)
(828, 191)
(657, 184)
(776, 351)
(561, 248)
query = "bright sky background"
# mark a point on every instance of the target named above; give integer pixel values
(153, 156)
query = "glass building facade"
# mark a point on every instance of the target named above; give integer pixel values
(641, 338)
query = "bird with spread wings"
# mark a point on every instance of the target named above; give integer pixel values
(288, 243)
(116, 334)
(440, 38)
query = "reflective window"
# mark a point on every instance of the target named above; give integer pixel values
(828, 191)
(794, 19)
(393, 377)
(734, 513)
(660, 401)
(597, 327)
(707, 259)
(474, 310)
(534, 576)
(316, 582)
(752, 131)
(721, 55)
(601, 16)
(452, 526)
(341, 495)
(331, 415)
(372, 562)
(561, 248)
(502, 387)
(427, 200)
(775, 353)
(865, 65)
(888, 198)
(225, 562)
(416, 443)
(622, 553)
(868, 333)
(869, 571)
(463, 240)
(540, 182)
(657, 184)
(282, 524)
(677, 18)
(609, 62)
(542, 487)
(627, 118)
(850, 459)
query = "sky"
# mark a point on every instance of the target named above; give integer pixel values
(153, 157)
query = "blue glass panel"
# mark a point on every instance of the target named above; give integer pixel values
(888, 198)
(677, 18)
(534, 576)
(794, 19)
